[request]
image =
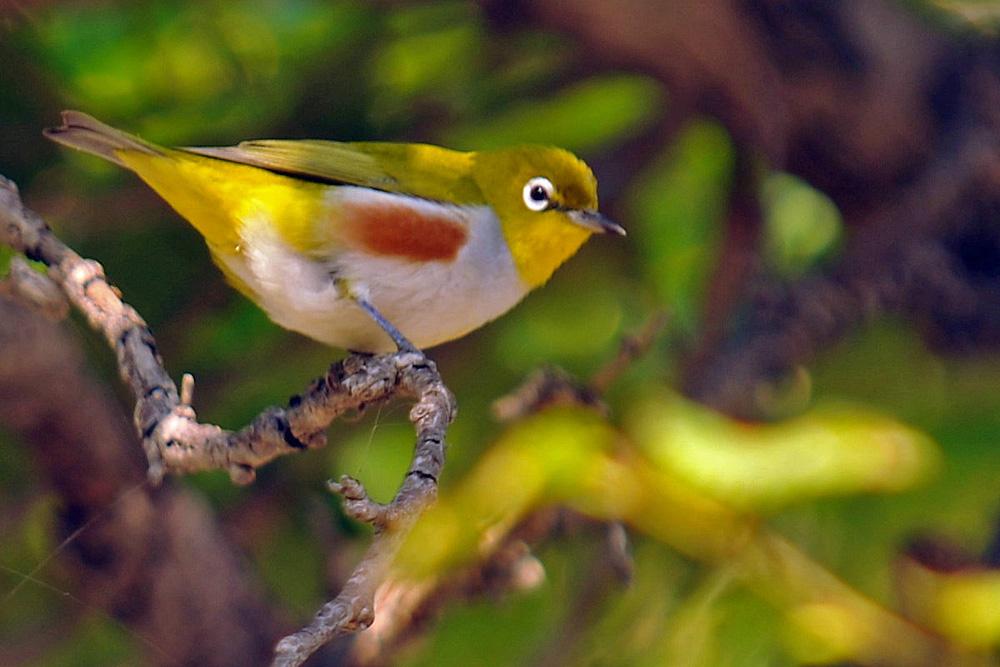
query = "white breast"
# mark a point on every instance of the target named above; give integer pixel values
(429, 301)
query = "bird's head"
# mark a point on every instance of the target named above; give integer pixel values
(546, 201)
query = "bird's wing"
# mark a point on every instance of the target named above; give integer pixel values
(420, 170)
(385, 224)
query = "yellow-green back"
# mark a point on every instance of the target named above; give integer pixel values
(420, 170)
(218, 189)
(217, 196)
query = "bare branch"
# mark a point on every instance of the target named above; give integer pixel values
(545, 386)
(407, 608)
(174, 441)
(34, 289)
(633, 347)
(353, 608)
(554, 386)
(172, 438)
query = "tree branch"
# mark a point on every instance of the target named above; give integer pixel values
(408, 608)
(172, 438)
(353, 608)
(174, 441)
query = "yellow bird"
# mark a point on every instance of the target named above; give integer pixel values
(369, 246)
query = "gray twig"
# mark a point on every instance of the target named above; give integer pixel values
(175, 442)
(353, 608)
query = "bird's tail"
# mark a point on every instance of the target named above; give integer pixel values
(90, 135)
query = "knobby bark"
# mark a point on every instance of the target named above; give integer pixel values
(175, 442)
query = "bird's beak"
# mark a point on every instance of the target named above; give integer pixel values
(596, 222)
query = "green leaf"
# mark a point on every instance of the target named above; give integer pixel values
(830, 451)
(802, 224)
(583, 117)
(677, 209)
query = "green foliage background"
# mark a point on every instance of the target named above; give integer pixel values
(213, 73)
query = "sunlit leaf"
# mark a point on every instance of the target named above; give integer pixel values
(831, 451)
(539, 460)
(415, 63)
(825, 633)
(968, 608)
(802, 224)
(983, 15)
(176, 71)
(583, 117)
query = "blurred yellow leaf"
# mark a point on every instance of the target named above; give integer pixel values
(537, 461)
(829, 451)
(967, 608)
(822, 633)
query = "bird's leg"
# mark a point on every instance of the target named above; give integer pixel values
(401, 341)
(359, 297)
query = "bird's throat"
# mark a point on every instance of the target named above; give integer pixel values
(538, 250)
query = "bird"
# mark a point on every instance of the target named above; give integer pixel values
(369, 246)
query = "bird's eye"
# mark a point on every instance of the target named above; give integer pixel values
(538, 193)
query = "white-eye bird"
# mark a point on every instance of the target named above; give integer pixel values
(369, 246)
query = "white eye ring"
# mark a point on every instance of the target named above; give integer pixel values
(538, 193)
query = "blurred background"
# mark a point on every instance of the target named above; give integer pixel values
(804, 458)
